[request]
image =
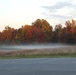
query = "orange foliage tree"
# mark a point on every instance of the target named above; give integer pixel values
(45, 27)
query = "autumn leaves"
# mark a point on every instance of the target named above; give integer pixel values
(39, 32)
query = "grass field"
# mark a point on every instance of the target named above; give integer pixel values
(41, 53)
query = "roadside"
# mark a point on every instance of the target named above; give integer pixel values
(40, 53)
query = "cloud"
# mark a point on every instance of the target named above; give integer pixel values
(61, 10)
(59, 5)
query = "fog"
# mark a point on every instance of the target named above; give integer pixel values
(31, 46)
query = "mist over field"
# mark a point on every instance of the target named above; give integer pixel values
(32, 46)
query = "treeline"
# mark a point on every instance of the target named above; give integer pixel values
(40, 32)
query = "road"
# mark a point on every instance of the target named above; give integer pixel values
(38, 66)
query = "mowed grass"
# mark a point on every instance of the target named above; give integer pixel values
(43, 53)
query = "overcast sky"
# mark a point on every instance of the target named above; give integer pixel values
(16, 13)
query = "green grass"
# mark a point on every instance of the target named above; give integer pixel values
(39, 56)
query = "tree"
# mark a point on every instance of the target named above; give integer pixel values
(34, 34)
(45, 27)
(7, 34)
(0, 37)
(68, 33)
(37, 23)
(56, 32)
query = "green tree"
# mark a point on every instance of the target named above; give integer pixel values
(56, 32)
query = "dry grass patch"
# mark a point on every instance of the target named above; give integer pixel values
(67, 51)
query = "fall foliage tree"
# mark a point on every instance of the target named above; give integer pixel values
(45, 27)
(7, 34)
(34, 34)
(39, 32)
(68, 33)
